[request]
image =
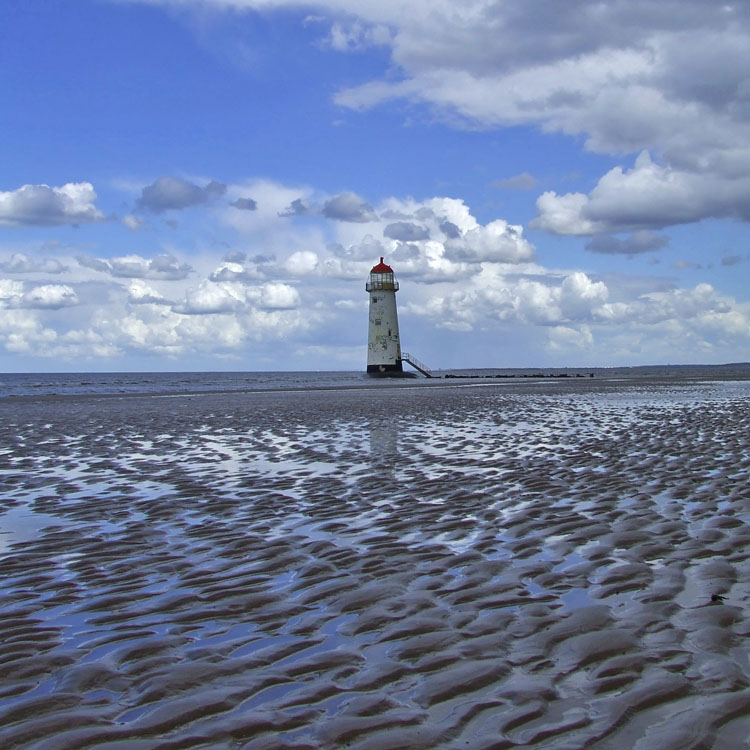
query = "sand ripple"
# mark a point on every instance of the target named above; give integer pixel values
(453, 567)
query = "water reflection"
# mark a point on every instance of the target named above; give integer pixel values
(384, 443)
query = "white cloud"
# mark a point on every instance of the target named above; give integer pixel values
(149, 331)
(14, 294)
(434, 239)
(11, 293)
(42, 205)
(536, 302)
(229, 270)
(141, 293)
(565, 339)
(174, 193)
(301, 263)
(21, 332)
(491, 295)
(212, 333)
(498, 241)
(348, 207)
(406, 231)
(298, 207)
(579, 295)
(564, 214)
(284, 279)
(668, 77)
(162, 266)
(50, 296)
(210, 298)
(21, 263)
(630, 77)
(278, 296)
(648, 196)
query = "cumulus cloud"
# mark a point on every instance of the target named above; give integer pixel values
(140, 293)
(542, 301)
(629, 77)
(11, 292)
(14, 295)
(648, 196)
(435, 240)
(298, 207)
(174, 193)
(406, 231)
(301, 263)
(50, 296)
(42, 205)
(626, 76)
(535, 302)
(433, 244)
(683, 303)
(348, 206)
(497, 241)
(634, 244)
(565, 338)
(579, 295)
(21, 263)
(239, 269)
(21, 331)
(164, 266)
(209, 299)
(244, 204)
(367, 249)
(278, 296)
(450, 230)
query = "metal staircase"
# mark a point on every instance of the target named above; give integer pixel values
(416, 364)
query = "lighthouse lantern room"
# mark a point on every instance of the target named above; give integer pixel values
(383, 344)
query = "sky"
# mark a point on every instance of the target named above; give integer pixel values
(206, 184)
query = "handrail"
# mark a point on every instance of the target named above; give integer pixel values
(416, 364)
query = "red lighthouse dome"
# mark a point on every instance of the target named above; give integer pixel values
(381, 268)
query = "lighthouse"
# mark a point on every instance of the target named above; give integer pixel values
(383, 343)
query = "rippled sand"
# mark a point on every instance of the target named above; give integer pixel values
(438, 567)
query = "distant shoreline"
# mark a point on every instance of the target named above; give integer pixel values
(526, 369)
(52, 388)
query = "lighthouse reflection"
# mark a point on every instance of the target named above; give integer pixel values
(384, 443)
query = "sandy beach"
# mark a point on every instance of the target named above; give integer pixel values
(556, 565)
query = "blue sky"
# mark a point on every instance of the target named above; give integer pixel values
(205, 184)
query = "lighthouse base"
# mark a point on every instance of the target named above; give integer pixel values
(389, 371)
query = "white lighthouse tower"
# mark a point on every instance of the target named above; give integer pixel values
(383, 343)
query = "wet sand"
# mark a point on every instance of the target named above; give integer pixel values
(494, 566)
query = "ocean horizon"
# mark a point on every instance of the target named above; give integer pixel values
(25, 384)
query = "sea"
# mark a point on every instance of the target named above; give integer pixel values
(145, 383)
